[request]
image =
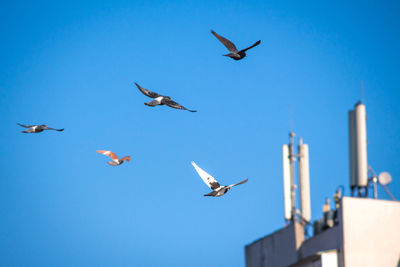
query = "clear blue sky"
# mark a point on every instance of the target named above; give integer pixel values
(74, 64)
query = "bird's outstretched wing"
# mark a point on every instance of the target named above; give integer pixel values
(255, 44)
(127, 158)
(228, 44)
(242, 182)
(207, 178)
(211, 194)
(49, 128)
(108, 153)
(173, 104)
(26, 126)
(147, 92)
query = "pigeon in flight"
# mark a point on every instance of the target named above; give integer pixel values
(160, 99)
(115, 160)
(37, 128)
(234, 53)
(210, 181)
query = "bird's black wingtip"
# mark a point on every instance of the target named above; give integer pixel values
(192, 110)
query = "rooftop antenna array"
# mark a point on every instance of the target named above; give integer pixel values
(358, 149)
(359, 169)
(289, 159)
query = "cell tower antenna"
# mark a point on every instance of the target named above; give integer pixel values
(362, 92)
(291, 119)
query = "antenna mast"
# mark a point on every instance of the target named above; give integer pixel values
(362, 92)
(292, 160)
(289, 181)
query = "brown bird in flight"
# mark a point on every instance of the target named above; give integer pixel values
(115, 160)
(234, 52)
(160, 99)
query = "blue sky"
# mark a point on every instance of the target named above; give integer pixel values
(73, 65)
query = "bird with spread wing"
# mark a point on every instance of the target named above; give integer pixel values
(115, 160)
(234, 52)
(217, 189)
(160, 99)
(37, 128)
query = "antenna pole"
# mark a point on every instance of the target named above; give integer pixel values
(292, 159)
(388, 192)
(291, 119)
(375, 180)
(362, 92)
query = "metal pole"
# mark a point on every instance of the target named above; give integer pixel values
(292, 158)
(388, 192)
(375, 180)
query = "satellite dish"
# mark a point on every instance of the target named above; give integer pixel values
(384, 178)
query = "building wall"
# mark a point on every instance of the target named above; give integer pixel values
(329, 239)
(370, 232)
(321, 259)
(329, 259)
(277, 249)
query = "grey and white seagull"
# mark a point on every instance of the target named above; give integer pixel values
(234, 52)
(217, 189)
(37, 128)
(160, 99)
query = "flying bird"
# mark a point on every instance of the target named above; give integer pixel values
(234, 52)
(115, 160)
(37, 128)
(217, 189)
(160, 99)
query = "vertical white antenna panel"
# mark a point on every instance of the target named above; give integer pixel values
(352, 149)
(361, 135)
(304, 180)
(286, 183)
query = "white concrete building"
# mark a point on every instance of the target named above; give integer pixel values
(367, 233)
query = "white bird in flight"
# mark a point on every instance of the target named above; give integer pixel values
(210, 181)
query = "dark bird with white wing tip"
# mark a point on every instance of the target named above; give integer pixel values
(37, 128)
(234, 52)
(217, 189)
(160, 100)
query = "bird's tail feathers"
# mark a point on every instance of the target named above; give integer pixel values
(211, 194)
(152, 103)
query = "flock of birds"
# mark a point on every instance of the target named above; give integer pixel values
(159, 100)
